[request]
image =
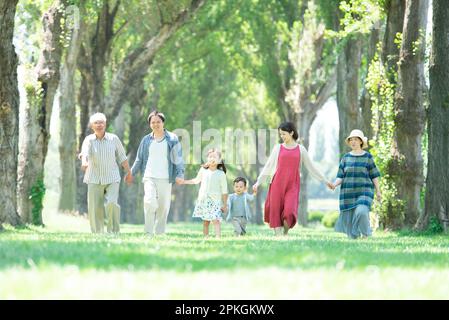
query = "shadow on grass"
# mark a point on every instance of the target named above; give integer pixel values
(188, 251)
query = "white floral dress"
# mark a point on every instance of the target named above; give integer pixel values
(209, 203)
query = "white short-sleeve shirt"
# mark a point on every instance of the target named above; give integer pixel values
(213, 184)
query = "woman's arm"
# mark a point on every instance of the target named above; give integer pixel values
(312, 169)
(267, 168)
(310, 166)
(337, 182)
(135, 168)
(376, 185)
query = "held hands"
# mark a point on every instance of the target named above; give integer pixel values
(129, 178)
(330, 185)
(224, 209)
(180, 181)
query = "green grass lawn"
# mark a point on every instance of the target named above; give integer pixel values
(64, 261)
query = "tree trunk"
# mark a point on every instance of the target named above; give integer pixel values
(409, 109)
(437, 182)
(33, 149)
(348, 66)
(365, 102)
(81, 187)
(9, 115)
(138, 127)
(68, 141)
(304, 132)
(395, 21)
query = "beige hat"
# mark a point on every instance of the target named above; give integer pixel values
(359, 134)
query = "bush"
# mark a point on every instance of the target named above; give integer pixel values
(329, 219)
(435, 226)
(315, 216)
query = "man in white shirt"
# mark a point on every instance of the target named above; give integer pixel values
(100, 154)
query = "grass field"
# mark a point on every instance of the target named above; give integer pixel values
(64, 261)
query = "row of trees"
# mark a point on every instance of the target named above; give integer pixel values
(245, 64)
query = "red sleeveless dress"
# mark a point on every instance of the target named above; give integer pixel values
(283, 195)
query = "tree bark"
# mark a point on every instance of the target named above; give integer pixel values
(395, 21)
(83, 101)
(33, 149)
(407, 164)
(365, 102)
(67, 109)
(305, 120)
(304, 131)
(138, 127)
(348, 66)
(9, 116)
(437, 182)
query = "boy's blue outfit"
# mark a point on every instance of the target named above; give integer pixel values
(239, 211)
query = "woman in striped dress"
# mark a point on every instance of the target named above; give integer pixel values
(358, 177)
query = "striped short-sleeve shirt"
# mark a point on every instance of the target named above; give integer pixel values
(357, 173)
(103, 158)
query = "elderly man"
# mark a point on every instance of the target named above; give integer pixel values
(159, 159)
(100, 154)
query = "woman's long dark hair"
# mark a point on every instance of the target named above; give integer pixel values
(289, 127)
(221, 165)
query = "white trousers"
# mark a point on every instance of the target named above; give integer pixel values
(156, 205)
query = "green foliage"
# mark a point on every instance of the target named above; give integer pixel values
(34, 94)
(382, 96)
(357, 16)
(435, 226)
(330, 219)
(36, 195)
(315, 216)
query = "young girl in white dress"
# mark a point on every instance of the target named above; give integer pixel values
(213, 193)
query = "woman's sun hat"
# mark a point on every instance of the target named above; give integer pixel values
(359, 134)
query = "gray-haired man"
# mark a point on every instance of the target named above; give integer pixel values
(101, 153)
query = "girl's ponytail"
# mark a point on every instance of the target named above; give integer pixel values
(222, 166)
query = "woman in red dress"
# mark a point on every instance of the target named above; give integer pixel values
(283, 172)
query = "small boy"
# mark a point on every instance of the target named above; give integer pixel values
(238, 208)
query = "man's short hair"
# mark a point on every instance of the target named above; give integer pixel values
(156, 113)
(97, 116)
(240, 179)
